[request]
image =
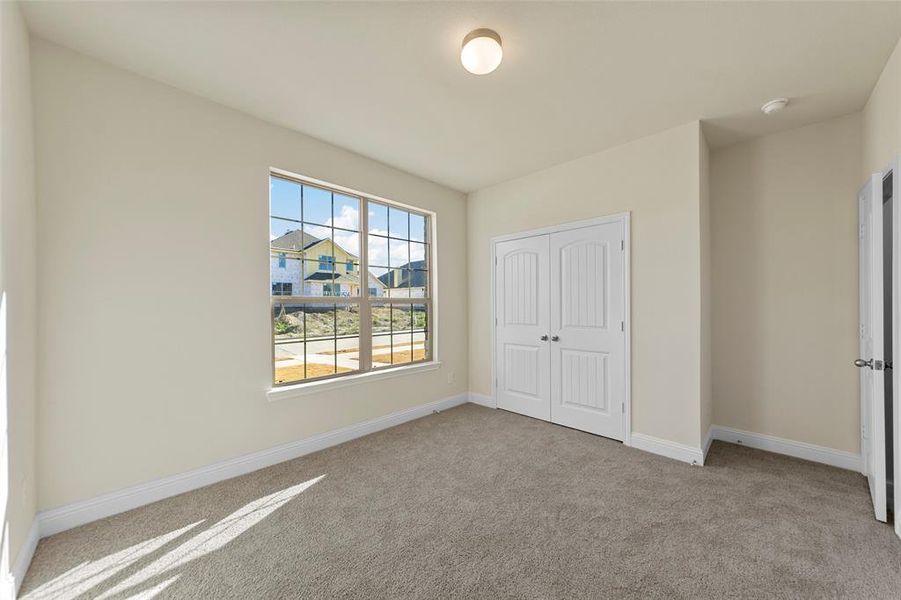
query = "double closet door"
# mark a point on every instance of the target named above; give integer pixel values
(560, 344)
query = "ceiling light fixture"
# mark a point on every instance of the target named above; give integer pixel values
(482, 52)
(774, 105)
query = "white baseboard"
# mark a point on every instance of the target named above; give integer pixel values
(708, 439)
(482, 400)
(820, 454)
(78, 513)
(26, 552)
(693, 456)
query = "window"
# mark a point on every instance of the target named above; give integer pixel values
(343, 324)
(281, 289)
(326, 263)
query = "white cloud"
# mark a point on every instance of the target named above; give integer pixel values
(348, 241)
(348, 219)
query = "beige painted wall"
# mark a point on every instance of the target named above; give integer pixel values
(17, 270)
(706, 318)
(784, 252)
(153, 280)
(882, 119)
(657, 179)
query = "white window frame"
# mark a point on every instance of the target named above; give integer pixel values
(364, 301)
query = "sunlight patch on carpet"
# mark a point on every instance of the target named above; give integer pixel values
(80, 579)
(214, 538)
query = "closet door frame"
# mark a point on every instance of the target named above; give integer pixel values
(625, 220)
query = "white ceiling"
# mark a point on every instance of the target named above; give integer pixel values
(385, 80)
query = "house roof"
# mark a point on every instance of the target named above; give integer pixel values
(322, 276)
(409, 275)
(337, 277)
(294, 240)
(300, 240)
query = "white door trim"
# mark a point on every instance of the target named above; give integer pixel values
(625, 218)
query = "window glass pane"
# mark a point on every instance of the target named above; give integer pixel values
(348, 245)
(346, 263)
(315, 233)
(284, 198)
(401, 317)
(317, 205)
(320, 321)
(320, 327)
(401, 348)
(398, 223)
(420, 332)
(319, 278)
(288, 322)
(420, 318)
(397, 283)
(346, 212)
(285, 274)
(381, 318)
(378, 251)
(417, 255)
(347, 320)
(419, 281)
(279, 232)
(417, 227)
(347, 342)
(377, 279)
(288, 332)
(378, 218)
(399, 253)
(381, 351)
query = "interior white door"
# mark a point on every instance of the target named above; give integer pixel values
(587, 329)
(871, 361)
(522, 312)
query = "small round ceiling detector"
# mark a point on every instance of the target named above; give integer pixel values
(774, 105)
(481, 53)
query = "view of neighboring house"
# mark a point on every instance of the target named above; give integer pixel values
(410, 276)
(303, 265)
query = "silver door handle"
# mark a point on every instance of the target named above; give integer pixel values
(863, 363)
(543, 338)
(555, 338)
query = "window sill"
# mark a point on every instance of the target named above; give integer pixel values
(315, 387)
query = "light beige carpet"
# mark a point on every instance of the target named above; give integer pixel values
(477, 503)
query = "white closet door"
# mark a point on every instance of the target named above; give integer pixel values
(872, 355)
(588, 341)
(522, 311)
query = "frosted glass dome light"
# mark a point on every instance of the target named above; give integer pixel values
(482, 52)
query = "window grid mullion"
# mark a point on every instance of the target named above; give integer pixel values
(365, 345)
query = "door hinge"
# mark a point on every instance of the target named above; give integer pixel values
(622, 325)
(622, 244)
(624, 406)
